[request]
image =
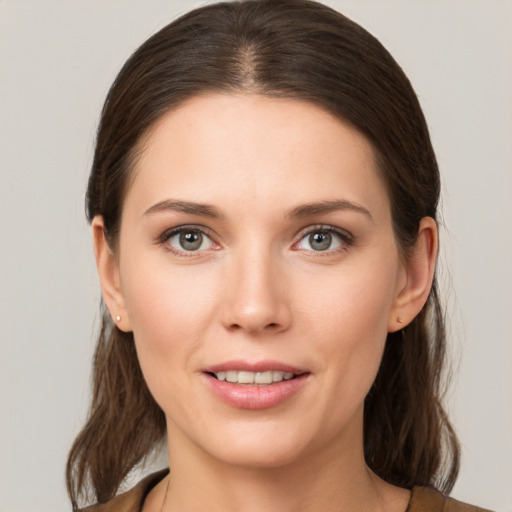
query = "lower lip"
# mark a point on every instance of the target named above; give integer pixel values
(247, 396)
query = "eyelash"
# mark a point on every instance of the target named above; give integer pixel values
(167, 235)
(346, 239)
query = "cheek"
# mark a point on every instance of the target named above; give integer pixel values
(352, 302)
(348, 320)
(351, 335)
(169, 311)
(162, 299)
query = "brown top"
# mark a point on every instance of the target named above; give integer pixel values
(423, 499)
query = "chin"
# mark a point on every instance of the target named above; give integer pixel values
(261, 446)
(259, 456)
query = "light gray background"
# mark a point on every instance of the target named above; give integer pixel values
(58, 58)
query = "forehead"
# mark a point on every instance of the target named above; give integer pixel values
(255, 149)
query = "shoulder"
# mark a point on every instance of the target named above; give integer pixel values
(425, 499)
(132, 500)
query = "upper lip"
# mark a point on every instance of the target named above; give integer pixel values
(257, 366)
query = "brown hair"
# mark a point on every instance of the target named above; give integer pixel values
(295, 49)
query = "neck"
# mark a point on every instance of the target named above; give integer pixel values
(322, 480)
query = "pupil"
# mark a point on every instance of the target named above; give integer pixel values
(320, 241)
(191, 240)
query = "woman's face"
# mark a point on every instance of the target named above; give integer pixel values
(256, 242)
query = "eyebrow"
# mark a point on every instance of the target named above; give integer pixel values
(310, 209)
(204, 210)
(300, 211)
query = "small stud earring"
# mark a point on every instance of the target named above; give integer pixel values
(399, 320)
(118, 319)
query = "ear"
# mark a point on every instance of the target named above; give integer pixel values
(108, 272)
(419, 271)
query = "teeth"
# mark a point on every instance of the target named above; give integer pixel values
(244, 377)
(277, 376)
(263, 378)
(232, 376)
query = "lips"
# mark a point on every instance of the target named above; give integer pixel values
(262, 378)
(255, 385)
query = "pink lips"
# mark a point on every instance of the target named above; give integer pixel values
(260, 366)
(254, 396)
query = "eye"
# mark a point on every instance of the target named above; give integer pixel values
(186, 239)
(323, 239)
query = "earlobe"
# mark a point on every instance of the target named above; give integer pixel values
(419, 274)
(108, 272)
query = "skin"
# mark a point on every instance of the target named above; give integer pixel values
(257, 289)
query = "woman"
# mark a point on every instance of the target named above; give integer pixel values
(263, 201)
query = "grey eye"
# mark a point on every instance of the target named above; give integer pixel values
(190, 240)
(320, 240)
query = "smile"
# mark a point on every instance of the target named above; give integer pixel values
(247, 377)
(259, 385)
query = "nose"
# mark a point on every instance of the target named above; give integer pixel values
(256, 294)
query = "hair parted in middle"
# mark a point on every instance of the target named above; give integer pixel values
(292, 49)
